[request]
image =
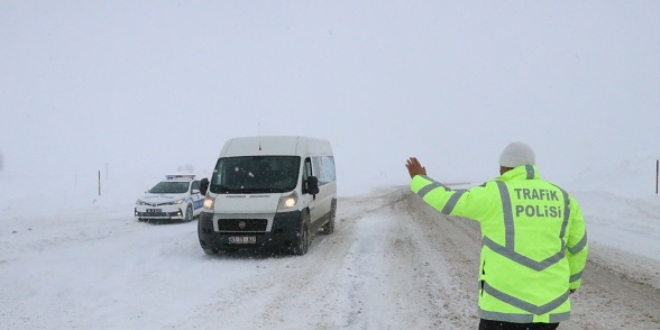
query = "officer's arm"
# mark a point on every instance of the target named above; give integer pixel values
(447, 201)
(577, 247)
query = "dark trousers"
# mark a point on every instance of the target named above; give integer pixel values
(499, 325)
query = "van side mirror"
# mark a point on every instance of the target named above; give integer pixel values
(203, 186)
(312, 185)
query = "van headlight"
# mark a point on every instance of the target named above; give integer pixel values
(208, 203)
(287, 202)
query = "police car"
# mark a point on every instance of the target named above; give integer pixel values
(178, 197)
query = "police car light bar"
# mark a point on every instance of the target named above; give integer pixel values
(178, 176)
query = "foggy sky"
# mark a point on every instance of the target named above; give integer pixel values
(150, 86)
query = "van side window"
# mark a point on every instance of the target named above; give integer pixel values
(328, 168)
(324, 167)
(195, 185)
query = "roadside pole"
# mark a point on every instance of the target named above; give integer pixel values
(657, 171)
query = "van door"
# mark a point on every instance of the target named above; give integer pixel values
(323, 167)
(315, 208)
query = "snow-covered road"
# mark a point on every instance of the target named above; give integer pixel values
(392, 263)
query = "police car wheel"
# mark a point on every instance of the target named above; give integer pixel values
(189, 213)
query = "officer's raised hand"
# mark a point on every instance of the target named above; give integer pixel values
(414, 167)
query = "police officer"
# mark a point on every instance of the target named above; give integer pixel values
(534, 240)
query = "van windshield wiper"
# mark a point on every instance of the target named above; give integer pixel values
(255, 190)
(218, 188)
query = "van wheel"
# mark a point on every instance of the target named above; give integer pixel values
(211, 252)
(189, 214)
(302, 242)
(329, 227)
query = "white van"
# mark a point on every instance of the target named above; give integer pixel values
(272, 192)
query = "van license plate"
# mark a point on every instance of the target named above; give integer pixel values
(242, 240)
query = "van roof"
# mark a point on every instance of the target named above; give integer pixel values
(275, 146)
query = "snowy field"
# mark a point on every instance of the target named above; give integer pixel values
(129, 87)
(71, 259)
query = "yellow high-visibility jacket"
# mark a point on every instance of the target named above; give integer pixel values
(534, 243)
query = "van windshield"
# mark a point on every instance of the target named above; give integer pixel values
(255, 174)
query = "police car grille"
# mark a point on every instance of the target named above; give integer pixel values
(247, 224)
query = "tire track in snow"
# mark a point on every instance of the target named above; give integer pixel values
(392, 263)
(276, 297)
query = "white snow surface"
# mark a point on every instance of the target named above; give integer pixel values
(71, 259)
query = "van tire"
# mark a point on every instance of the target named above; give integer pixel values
(210, 252)
(329, 227)
(301, 244)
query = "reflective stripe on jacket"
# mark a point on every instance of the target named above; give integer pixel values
(534, 243)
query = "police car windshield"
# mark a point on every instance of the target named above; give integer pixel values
(255, 174)
(166, 187)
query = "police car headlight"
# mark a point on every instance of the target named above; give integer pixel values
(208, 203)
(287, 202)
(176, 202)
(139, 202)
